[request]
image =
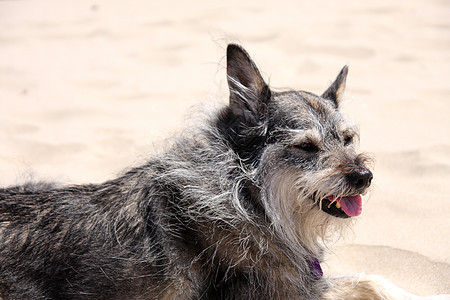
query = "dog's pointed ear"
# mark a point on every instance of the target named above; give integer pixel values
(248, 91)
(336, 89)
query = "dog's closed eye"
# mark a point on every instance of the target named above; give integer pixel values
(309, 147)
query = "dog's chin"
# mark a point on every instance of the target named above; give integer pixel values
(330, 208)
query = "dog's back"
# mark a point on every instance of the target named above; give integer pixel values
(77, 241)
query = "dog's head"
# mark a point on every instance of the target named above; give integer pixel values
(300, 144)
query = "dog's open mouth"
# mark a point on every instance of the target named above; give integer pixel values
(342, 207)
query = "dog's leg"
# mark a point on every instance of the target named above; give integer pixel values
(371, 288)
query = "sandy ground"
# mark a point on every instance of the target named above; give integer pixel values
(87, 88)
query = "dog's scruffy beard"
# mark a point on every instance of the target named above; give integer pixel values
(296, 213)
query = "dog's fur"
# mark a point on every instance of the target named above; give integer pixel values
(236, 210)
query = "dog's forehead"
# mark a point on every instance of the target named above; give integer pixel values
(307, 110)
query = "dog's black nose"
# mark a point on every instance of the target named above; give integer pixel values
(360, 179)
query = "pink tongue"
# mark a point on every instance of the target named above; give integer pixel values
(351, 205)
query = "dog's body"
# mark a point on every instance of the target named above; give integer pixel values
(234, 211)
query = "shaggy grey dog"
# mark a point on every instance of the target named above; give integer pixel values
(237, 210)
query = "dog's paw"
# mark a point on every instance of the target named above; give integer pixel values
(371, 287)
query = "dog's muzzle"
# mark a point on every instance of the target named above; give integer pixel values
(351, 205)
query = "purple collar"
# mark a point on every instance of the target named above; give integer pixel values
(316, 270)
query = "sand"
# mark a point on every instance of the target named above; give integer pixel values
(88, 87)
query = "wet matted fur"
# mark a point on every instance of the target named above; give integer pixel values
(237, 210)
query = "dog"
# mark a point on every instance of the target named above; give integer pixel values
(237, 209)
